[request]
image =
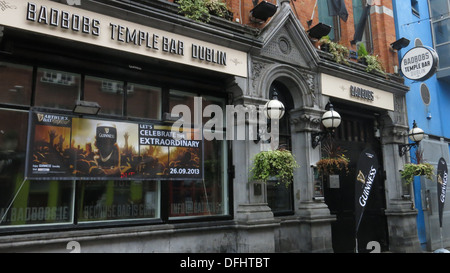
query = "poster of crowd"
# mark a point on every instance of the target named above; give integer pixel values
(67, 147)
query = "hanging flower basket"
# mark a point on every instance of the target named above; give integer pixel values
(333, 165)
(279, 164)
(335, 161)
(411, 170)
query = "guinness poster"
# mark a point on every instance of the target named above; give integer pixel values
(366, 171)
(66, 147)
(442, 173)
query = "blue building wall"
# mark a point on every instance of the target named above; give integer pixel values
(411, 27)
(433, 118)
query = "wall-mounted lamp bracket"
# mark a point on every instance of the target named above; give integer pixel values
(403, 148)
(317, 138)
(416, 135)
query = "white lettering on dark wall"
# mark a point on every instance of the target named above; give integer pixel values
(367, 187)
(122, 34)
(443, 188)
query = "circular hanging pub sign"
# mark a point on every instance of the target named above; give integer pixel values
(419, 63)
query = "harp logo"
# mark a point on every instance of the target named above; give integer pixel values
(361, 177)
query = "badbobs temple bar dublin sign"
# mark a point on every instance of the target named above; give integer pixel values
(73, 23)
(419, 63)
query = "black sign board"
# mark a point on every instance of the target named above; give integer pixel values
(442, 173)
(366, 171)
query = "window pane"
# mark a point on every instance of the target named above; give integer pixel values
(442, 31)
(442, 51)
(325, 18)
(358, 11)
(220, 102)
(279, 197)
(144, 101)
(187, 98)
(208, 196)
(107, 93)
(182, 98)
(57, 89)
(415, 7)
(118, 200)
(15, 86)
(203, 197)
(37, 202)
(439, 7)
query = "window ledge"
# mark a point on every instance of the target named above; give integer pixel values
(24, 241)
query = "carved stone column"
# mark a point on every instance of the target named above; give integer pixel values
(314, 216)
(254, 219)
(400, 212)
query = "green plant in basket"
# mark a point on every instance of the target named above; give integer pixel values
(201, 10)
(340, 52)
(278, 164)
(334, 162)
(411, 170)
(374, 64)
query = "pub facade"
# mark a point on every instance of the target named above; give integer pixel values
(112, 176)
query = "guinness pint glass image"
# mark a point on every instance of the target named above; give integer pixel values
(108, 157)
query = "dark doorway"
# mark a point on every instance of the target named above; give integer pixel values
(280, 199)
(356, 133)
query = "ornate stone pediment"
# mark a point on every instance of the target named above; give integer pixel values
(285, 40)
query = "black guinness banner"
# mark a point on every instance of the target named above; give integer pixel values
(66, 147)
(442, 173)
(366, 169)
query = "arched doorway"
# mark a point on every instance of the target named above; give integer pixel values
(280, 198)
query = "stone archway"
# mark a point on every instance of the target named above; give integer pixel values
(301, 85)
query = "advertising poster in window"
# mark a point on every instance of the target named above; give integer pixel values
(74, 148)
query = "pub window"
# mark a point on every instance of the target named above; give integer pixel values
(415, 8)
(38, 202)
(440, 20)
(144, 101)
(358, 10)
(108, 93)
(182, 98)
(16, 83)
(57, 89)
(332, 21)
(442, 31)
(62, 202)
(118, 200)
(207, 197)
